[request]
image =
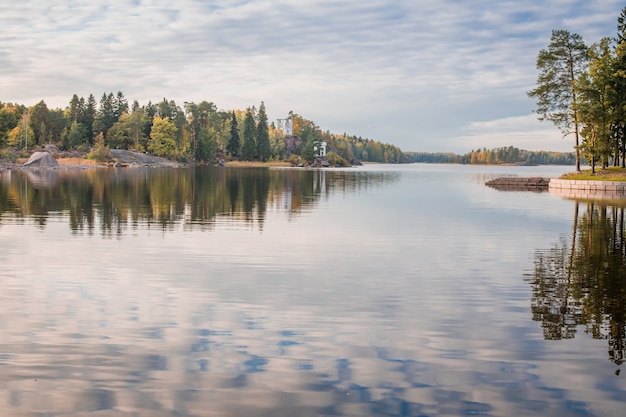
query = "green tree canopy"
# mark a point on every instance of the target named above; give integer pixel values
(119, 135)
(76, 135)
(40, 121)
(559, 66)
(248, 148)
(162, 137)
(234, 143)
(9, 117)
(105, 115)
(262, 135)
(596, 93)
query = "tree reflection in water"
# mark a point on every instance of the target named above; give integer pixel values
(583, 283)
(112, 199)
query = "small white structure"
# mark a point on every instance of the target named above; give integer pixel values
(286, 125)
(319, 148)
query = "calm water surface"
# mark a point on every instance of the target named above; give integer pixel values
(382, 290)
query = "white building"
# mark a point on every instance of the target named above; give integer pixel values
(319, 148)
(286, 125)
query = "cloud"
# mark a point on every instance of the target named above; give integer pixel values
(410, 73)
(526, 129)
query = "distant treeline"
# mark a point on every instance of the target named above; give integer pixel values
(504, 155)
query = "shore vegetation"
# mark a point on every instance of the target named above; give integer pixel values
(605, 174)
(198, 133)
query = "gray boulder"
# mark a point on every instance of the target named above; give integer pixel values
(41, 160)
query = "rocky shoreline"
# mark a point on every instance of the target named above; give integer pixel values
(49, 159)
(4, 165)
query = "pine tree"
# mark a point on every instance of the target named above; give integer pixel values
(76, 135)
(596, 94)
(205, 150)
(88, 117)
(559, 67)
(618, 128)
(75, 110)
(120, 105)
(39, 121)
(234, 143)
(262, 135)
(105, 116)
(249, 137)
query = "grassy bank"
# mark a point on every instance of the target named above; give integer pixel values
(608, 174)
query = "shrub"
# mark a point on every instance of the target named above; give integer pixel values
(336, 161)
(100, 152)
(8, 154)
(295, 160)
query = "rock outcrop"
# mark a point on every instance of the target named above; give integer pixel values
(519, 184)
(131, 158)
(320, 162)
(41, 160)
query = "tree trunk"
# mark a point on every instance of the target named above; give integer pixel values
(593, 165)
(574, 108)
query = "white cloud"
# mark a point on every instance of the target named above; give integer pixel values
(524, 132)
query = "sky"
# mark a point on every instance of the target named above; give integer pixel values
(427, 76)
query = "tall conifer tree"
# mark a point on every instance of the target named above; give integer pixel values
(248, 148)
(234, 143)
(262, 135)
(559, 67)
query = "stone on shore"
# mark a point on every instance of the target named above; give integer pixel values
(519, 184)
(41, 160)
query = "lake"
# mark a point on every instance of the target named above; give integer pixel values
(382, 290)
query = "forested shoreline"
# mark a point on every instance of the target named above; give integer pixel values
(195, 132)
(200, 133)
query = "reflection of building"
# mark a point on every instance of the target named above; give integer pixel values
(319, 182)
